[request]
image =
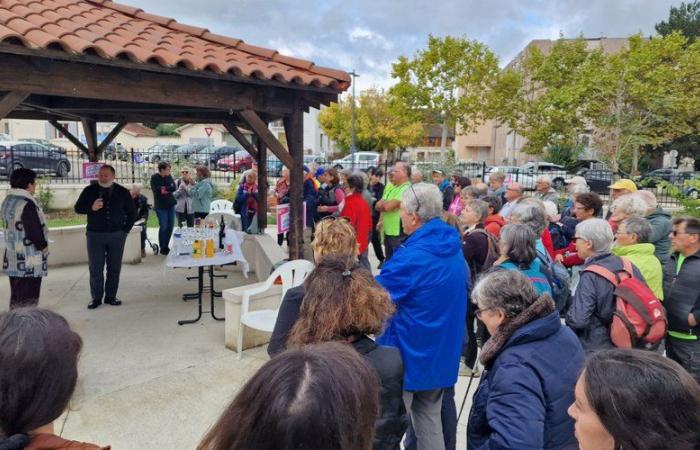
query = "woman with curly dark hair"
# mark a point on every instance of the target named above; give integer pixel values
(344, 303)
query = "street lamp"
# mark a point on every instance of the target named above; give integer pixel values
(353, 149)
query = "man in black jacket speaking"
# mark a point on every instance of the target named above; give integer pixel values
(110, 215)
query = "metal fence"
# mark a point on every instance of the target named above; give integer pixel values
(137, 166)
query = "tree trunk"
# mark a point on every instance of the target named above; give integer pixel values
(443, 141)
(635, 161)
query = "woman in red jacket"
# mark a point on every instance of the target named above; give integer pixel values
(357, 211)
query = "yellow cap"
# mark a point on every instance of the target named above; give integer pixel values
(624, 183)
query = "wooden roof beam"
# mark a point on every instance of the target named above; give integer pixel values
(259, 127)
(240, 137)
(110, 137)
(75, 141)
(90, 131)
(10, 101)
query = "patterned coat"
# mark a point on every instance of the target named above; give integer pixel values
(22, 257)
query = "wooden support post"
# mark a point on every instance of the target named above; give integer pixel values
(74, 140)
(262, 185)
(294, 128)
(10, 101)
(259, 127)
(110, 137)
(90, 131)
(240, 137)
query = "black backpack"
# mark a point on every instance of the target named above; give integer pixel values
(491, 255)
(559, 280)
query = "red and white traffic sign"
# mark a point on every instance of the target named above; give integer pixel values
(208, 130)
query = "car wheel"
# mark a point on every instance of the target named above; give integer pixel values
(558, 183)
(338, 167)
(242, 168)
(155, 159)
(62, 169)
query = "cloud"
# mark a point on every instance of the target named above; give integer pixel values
(369, 35)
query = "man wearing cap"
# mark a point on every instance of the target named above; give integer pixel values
(514, 193)
(389, 207)
(445, 187)
(619, 188)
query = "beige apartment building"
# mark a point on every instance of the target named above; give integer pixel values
(497, 144)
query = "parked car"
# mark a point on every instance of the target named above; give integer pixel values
(16, 155)
(673, 176)
(238, 162)
(308, 159)
(358, 160)
(209, 156)
(46, 143)
(187, 150)
(599, 180)
(514, 174)
(556, 172)
(155, 153)
(112, 152)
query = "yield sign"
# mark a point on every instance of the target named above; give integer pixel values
(208, 130)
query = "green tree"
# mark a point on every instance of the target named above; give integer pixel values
(381, 125)
(684, 18)
(448, 82)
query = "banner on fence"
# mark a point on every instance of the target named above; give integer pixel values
(91, 170)
(283, 217)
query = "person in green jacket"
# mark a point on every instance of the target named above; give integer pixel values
(202, 193)
(632, 242)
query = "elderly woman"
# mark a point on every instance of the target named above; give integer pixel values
(531, 212)
(632, 242)
(496, 187)
(587, 206)
(183, 195)
(26, 239)
(660, 222)
(517, 248)
(246, 202)
(593, 304)
(659, 407)
(334, 236)
(356, 210)
(346, 304)
(202, 193)
(494, 221)
(457, 203)
(630, 205)
(544, 190)
(532, 362)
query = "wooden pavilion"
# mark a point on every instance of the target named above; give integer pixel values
(99, 61)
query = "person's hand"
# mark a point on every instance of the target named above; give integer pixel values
(379, 206)
(559, 258)
(45, 251)
(163, 190)
(379, 225)
(322, 209)
(691, 320)
(98, 204)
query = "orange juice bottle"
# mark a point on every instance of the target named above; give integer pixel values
(210, 248)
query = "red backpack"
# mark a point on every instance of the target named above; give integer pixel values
(639, 320)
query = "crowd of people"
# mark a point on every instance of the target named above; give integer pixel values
(527, 293)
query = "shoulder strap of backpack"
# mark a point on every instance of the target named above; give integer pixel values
(603, 272)
(627, 267)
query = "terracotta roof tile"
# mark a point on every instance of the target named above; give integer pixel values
(113, 30)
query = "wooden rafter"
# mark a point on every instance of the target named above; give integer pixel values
(260, 129)
(240, 137)
(90, 131)
(74, 140)
(294, 129)
(110, 137)
(10, 101)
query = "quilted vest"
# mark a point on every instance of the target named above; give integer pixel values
(22, 259)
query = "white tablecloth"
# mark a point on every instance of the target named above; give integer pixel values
(220, 258)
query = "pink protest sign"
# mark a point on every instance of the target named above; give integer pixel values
(91, 170)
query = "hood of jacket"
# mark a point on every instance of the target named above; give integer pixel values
(495, 218)
(436, 238)
(634, 250)
(659, 214)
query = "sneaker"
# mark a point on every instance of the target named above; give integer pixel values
(465, 371)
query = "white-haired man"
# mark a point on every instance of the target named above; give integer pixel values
(544, 190)
(427, 280)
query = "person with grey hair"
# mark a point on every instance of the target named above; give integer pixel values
(531, 212)
(513, 194)
(593, 304)
(517, 248)
(632, 242)
(416, 176)
(532, 363)
(428, 283)
(625, 206)
(496, 187)
(544, 190)
(660, 222)
(469, 193)
(389, 207)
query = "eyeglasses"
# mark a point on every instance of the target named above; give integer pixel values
(480, 311)
(675, 233)
(416, 196)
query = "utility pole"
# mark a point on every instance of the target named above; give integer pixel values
(353, 148)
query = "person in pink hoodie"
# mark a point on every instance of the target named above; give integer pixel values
(457, 202)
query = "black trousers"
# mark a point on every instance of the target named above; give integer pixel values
(391, 243)
(200, 215)
(686, 353)
(24, 291)
(377, 240)
(186, 218)
(105, 248)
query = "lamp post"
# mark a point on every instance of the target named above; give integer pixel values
(353, 149)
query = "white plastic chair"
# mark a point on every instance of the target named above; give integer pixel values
(293, 273)
(224, 209)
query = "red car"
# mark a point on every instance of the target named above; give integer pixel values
(238, 162)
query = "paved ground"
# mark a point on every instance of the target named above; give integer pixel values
(146, 382)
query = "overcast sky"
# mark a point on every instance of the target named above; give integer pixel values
(368, 35)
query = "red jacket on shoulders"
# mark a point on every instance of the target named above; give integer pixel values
(357, 211)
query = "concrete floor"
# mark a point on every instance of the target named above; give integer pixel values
(146, 382)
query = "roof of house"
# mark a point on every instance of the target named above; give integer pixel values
(139, 130)
(113, 31)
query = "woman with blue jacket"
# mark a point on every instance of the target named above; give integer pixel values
(531, 366)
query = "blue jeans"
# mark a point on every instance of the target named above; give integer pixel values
(166, 221)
